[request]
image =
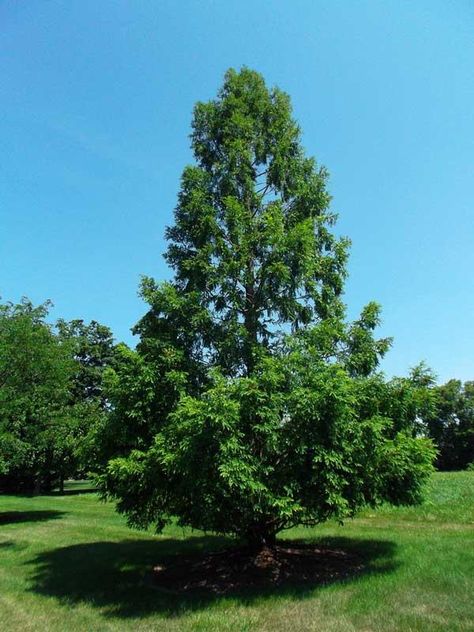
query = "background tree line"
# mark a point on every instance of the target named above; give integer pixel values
(52, 396)
(59, 383)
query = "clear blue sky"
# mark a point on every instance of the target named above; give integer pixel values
(96, 100)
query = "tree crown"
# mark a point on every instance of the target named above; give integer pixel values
(255, 405)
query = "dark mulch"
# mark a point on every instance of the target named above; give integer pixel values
(238, 569)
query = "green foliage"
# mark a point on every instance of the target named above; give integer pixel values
(451, 424)
(94, 353)
(410, 400)
(51, 396)
(250, 405)
(35, 371)
(93, 350)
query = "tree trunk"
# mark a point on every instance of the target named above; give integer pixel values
(37, 486)
(259, 537)
(61, 483)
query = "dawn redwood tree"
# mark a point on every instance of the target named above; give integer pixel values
(250, 405)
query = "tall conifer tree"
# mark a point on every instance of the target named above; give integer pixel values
(250, 405)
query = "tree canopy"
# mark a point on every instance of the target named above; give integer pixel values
(35, 372)
(250, 404)
(51, 395)
(451, 424)
(93, 350)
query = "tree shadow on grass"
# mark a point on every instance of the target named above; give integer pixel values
(11, 517)
(72, 492)
(69, 490)
(117, 577)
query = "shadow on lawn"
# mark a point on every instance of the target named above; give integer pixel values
(117, 576)
(10, 517)
(72, 492)
(54, 492)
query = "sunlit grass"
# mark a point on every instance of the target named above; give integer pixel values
(70, 563)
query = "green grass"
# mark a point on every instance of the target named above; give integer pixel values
(70, 563)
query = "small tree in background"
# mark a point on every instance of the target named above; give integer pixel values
(250, 406)
(451, 424)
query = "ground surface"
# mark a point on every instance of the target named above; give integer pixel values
(69, 563)
(240, 571)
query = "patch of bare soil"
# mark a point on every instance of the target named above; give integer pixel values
(239, 569)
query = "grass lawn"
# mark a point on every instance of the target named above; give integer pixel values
(70, 563)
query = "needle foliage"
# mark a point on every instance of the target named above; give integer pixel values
(250, 404)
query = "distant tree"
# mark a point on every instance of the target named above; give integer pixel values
(250, 405)
(35, 380)
(52, 397)
(93, 349)
(451, 425)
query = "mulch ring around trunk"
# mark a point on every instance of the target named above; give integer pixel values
(239, 569)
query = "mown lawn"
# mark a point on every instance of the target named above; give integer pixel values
(70, 563)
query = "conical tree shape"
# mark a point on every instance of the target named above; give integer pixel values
(260, 408)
